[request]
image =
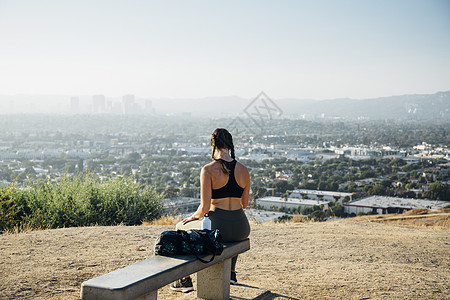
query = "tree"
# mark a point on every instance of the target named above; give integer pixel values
(378, 189)
(132, 157)
(323, 186)
(338, 210)
(170, 192)
(351, 188)
(334, 186)
(368, 174)
(438, 191)
(281, 186)
(318, 215)
(335, 209)
(258, 192)
(309, 185)
(306, 210)
(188, 192)
(386, 183)
(407, 194)
(127, 170)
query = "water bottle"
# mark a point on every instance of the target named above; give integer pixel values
(206, 222)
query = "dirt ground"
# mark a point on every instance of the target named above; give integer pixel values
(345, 259)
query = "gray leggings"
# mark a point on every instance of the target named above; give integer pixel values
(232, 224)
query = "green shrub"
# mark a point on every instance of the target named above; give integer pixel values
(81, 200)
(13, 207)
(318, 215)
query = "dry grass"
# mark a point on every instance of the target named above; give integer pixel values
(441, 210)
(424, 211)
(429, 220)
(434, 218)
(415, 212)
(22, 228)
(296, 218)
(164, 220)
(340, 259)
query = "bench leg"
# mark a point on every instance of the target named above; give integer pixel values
(214, 282)
(150, 296)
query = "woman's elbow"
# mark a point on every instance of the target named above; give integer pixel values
(244, 204)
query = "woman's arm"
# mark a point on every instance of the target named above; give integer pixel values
(205, 200)
(245, 194)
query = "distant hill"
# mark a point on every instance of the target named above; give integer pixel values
(421, 107)
(418, 107)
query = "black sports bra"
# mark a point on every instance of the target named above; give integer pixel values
(232, 188)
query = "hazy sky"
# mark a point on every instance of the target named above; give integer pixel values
(190, 49)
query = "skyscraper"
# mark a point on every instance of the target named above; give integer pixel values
(128, 104)
(99, 103)
(74, 105)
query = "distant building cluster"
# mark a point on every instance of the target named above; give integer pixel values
(361, 152)
(272, 203)
(320, 195)
(384, 205)
(101, 105)
(301, 198)
(371, 204)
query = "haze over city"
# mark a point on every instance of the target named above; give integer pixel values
(196, 49)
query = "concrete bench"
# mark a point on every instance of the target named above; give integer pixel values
(143, 279)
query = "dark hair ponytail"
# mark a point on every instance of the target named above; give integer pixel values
(222, 139)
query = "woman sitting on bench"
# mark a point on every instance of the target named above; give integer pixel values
(225, 187)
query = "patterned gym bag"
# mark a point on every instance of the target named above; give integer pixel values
(193, 241)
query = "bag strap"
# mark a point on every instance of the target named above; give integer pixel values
(206, 261)
(211, 246)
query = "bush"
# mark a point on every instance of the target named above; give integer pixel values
(318, 215)
(335, 209)
(81, 200)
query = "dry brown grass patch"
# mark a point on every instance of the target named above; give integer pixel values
(441, 222)
(415, 212)
(22, 228)
(296, 218)
(164, 220)
(435, 218)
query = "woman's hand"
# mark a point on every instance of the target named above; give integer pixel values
(187, 220)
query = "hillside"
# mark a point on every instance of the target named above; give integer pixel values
(420, 107)
(348, 259)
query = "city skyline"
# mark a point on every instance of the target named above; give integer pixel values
(423, 107)
(177, 49)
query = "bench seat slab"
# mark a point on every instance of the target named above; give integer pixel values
(142, 278)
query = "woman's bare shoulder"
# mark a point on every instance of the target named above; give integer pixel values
(240, 167)
(209, 167)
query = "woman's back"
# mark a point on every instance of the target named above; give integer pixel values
(228, 190)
